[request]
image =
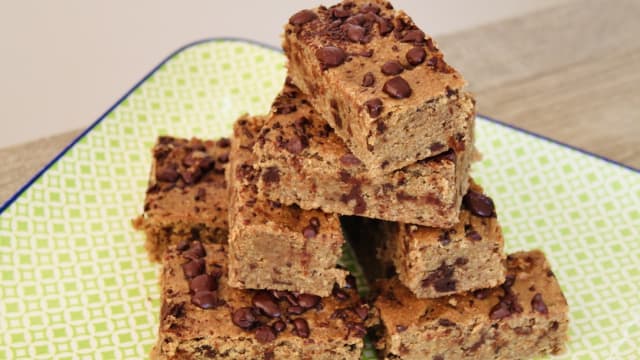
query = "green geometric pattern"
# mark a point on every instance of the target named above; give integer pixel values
(76, 282)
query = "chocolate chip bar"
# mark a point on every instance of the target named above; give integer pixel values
(271, 245)
(434, 262)
(523, 318)
(202, 317)
(304, 162)
(379, 81)
(187, 194)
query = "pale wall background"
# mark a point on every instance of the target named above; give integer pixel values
(63, 63)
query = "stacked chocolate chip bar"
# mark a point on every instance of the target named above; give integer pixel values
(370, 140)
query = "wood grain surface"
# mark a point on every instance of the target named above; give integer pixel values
(569, 73)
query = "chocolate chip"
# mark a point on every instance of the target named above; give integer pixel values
(554, 326)
(401, 328)
(437, 357)
(301, 327)
(193, 268)
(265, 334)
(351, 282)
(340, 294)
(355, 33)
(201, 194)
(349, 159)
(362, 311)
(243, 318)
(368, 80)
(271, 175)
(473, 235)
(479, 204)
(441, 279)
(481, 294)
(330, 56)
(538, 304)
(279, 326)
(205, 299)
(416, 56)
(308, 301)
(314, 222)
(397, 88)
(444, 238)
(385, 26)
(340, 13)
(223, 142)
(309, 232)
(190, 176)
(374, 107)
(413, 36)
(224, 158)
(446, 322)
(285, 295)
(461, 261)
(167, 173)
(370, 8)
(357, 329)
(183, 245)
(203, 282)
(302, 17)
(266, 303)
(381, 127)
(438, 64)
(392, 68)
(295, 310)
(196, 251)
(507, 305)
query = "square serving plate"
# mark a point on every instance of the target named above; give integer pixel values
(76, 283)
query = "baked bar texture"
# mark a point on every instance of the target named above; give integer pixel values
(525, 317)
(274, 246)
(434, 262)
(187, 194)
(202, 317)
(304, 162)
(379, 81)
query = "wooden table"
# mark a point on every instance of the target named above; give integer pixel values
(571, 73)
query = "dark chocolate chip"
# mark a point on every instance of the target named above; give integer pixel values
(285, 295)
(294, 145)
(301, 327)
(308, 301)
(203, 282)
(193, 268)
(362, 311)
(554, 326)
(413, 36)
(224, 158)
(302, 17)
(183, 245)
(446, 322)
(538, 304)
(279, 326)
(314, 222)
(295, 310)
(397, 88)
(444, 238)
(473, 235)
(357, 329)
(223, 143)
(370, 8)
(368, 80)
(374, 107)
(481, 294)
(461, 261)
(266, 303)
(351, 282)
(385, 26)
(265, 334)
(349, 159)
(392, 68)
(196, 251)
(167, 173)
(205, 299)
(330, 56)
(355, 33)
(271, 175)
(243, 318)
(340, 294)
(479, 204)
(441, 279)
(416, 56)
(401, 328)
(309, 232)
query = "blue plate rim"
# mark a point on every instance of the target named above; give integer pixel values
(33, 179)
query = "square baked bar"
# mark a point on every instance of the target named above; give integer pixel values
(304, 162)
(435, 262)
(380, 82)
(271, 245)
(525, 317)
(202, 317)
(187, 194)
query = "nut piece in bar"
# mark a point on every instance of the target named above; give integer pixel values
(316, 170)
(202, 317)
(187, 194)
(525, 317)
(380, 82)
(271, 245)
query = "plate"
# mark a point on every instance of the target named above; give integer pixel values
(76, 281)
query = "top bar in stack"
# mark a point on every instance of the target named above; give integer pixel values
(379, 81)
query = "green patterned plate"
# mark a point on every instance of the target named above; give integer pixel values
(76, 282)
